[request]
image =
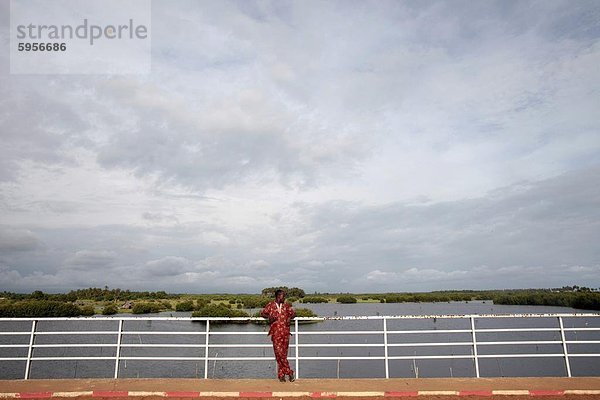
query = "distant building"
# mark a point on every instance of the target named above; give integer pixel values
(128, 305)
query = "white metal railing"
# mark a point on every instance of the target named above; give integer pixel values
(474, 344)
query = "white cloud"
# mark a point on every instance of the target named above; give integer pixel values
(287, 146)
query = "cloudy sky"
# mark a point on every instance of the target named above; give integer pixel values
(331, 145)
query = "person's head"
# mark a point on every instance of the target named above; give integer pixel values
(279, 295)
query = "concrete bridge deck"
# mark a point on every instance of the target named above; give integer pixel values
(428, 388)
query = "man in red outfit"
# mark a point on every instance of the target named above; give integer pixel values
(280, 314)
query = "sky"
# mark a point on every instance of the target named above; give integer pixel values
(336, 146)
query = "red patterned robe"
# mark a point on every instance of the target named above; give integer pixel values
(280, 333)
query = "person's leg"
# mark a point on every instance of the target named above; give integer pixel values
(285, 342)
(279, 355)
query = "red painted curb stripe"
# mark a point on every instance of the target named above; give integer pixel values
(546, 392)
(99, 393)
(35, 395)
(183, 394)
(401, 394)
(256, 394)
(475, 393)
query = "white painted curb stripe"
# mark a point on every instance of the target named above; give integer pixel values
(291, 394)
(582, 391)
(438, 393)
(368, 394)
(72, 394)
(220, 394)
(146, 394)
(511, 392)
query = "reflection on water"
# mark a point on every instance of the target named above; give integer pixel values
(402, 344)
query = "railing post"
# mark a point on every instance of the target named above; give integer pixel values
(385, 349)
(475, 347)
(30, 351)
(206, 350)
(297, 349)
(564, 343)
(118, 354)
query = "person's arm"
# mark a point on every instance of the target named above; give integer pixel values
(292, 313)
(267, 313)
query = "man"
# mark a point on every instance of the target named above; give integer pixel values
(279, 313)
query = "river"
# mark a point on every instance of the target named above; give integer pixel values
(489, 367)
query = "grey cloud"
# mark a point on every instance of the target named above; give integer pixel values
(167, 266)
(248, 135)
(549, 225)
(377, 151)
(17, 240)
(38, 123)
(91, 258)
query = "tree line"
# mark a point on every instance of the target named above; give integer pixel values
(40, 304)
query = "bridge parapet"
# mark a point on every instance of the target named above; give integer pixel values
(381, 341)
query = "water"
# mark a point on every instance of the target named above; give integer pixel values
(489, 367)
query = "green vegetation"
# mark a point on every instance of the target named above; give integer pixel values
(95, 294)
(146, 308)
(218, 310)
(251, 301)
(87, 311)
(110, 309)
(582, 300)
(314, 299)
(185, 306)
(87, 302)
(305, 312)
(293, 292)
(39, 308)
(346, 299)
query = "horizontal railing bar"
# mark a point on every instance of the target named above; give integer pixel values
(239, 333)
(584, 354)
(72, 345)
(339, 333)
(196, 345)
(519, 355)
(162, 333)
(340, 345)
(429, 357)
(77, 333)
(518, 330)
(15, 333)
(69, 358)
(13, 359)
(430, 344)
(343, 358)
(164, 358)
(200, 319)
(582, 341)
(299, 345)
(249, 359)
(240, 345)
(433, 331)
(201, 358)
(581, 329)
(519, 342)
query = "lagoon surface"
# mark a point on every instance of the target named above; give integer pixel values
(337, 367)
